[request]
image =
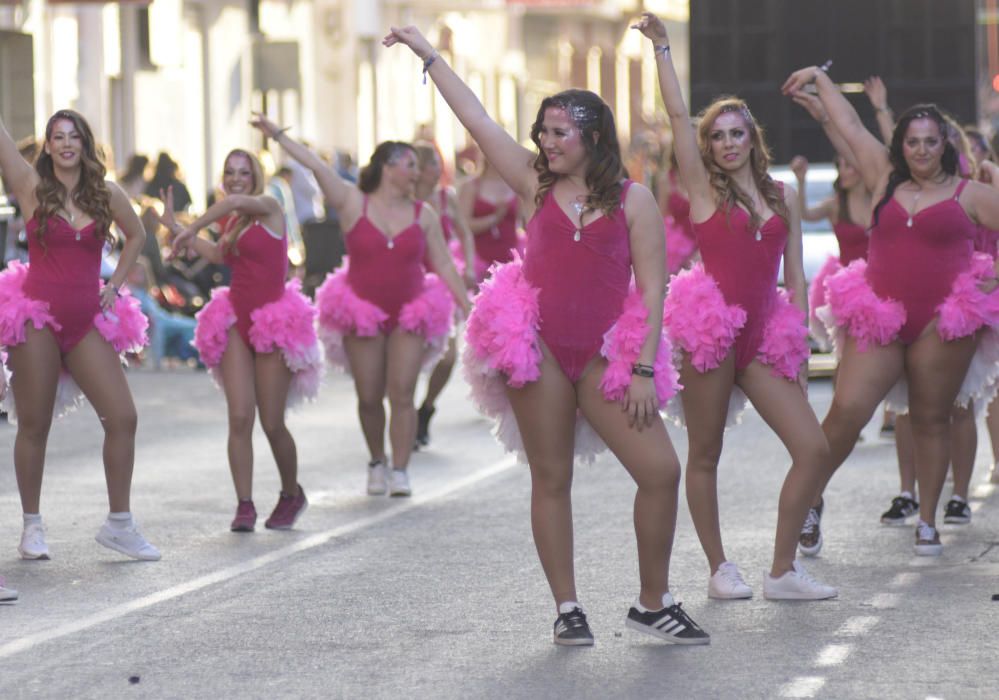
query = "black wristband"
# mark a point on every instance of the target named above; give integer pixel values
(641, 370)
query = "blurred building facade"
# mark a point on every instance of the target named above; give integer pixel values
(184, 75)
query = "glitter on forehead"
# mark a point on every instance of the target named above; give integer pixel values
(580, 114)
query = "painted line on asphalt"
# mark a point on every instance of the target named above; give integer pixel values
(803, 687)
(833, 655)
(858, 626)
(906, 578)
(115, 612)
(884, 600)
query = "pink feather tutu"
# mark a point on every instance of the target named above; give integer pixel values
(123, 326)
(503, 349)
(853, 308)
(817, 299)
(287, 325)
(342, 312)
(680, 246)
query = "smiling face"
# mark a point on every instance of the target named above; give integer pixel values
(402, 171)
(923, 147)
(64, 144)
(731, 142)
(237, 175)
(561, 141)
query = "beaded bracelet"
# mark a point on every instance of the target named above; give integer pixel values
(427, 62)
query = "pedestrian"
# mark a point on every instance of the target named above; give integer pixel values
(166, 176)
(491, 209)
(561, 349)
(256, 336)
(740, 336)
(915, 308)
(430, 189)
(61, 327)
(382, 316)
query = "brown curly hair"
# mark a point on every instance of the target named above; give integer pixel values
(91, 193)
(234, 226)
(604, 169)
(727, 191)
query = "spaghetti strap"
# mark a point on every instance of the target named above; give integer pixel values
(364, 210)
(417, 208)
(960, 187)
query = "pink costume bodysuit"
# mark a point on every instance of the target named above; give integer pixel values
(388, 272)
(447, 223)
(259, 265)
(853, 241)
(917, 264)
(582, 284)
(65, 272)
(744, 264)
(499, 243)
(678, 207)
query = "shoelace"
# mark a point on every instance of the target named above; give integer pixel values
(574, 619)
(811, 522)
(731, 574)
(925, 531)
(676, 611)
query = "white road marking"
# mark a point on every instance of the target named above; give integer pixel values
(833, 655)
(803, 687)
(906, 578)
(884, 600)
(115, 612)
(858, 626)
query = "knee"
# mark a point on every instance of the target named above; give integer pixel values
(661, 477)
(929, 420)
(241, 422)
(369, 404)
(273, 426)
(33, 427)
(703, 458)
(121, 422)
(814, 451)
(847, 413)
(551, 483)
(400, 394)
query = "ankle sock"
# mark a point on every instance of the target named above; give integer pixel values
(568, 606)
(32, 519)
(120, 521)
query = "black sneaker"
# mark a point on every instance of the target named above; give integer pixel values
(423, 416)
(572, 630)
(810, 538)
(902, 507)
(957, 513)
(671, 624)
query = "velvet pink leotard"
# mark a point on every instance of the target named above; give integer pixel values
(917, 265)
(388, 272)
(745, 268)
(65, 272)
(678, 207)
(852, 239)
(499, 243)
(259, 265)
(581, 284)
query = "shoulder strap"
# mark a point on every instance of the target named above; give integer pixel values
(960, 187)
(625, 186)
(417, 208)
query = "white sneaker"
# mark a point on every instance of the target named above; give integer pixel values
(32, 544)
(927, 540)
(377, 480)
(7, 595)
(399, 483)
(727, 583)
(127, 540)
(796, 585)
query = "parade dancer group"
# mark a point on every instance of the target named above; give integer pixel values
(573, 343)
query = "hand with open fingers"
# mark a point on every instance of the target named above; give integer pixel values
(109, 292)
(184, 240)
(799, 166)
(797, 81)
(652, 27)
(259, 121)
(640, 402)
(812, 104)
(876, 92)
(409, 36)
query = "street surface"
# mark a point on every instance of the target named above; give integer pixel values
(442, 596)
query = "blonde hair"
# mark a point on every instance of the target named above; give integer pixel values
(228, 241)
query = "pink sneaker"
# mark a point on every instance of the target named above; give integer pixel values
(287, 510)
(246, 517)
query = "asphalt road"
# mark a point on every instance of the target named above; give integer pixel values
(441, 595)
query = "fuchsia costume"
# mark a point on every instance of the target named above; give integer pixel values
(680, 241)
(852, 239)
(730, 302)
(268, 314)
(499, 243)
(920, 269)
(573, 292)
(382, 284)
(60, 289)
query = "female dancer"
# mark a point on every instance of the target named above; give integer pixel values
(459, 239)
(58, 323)
(914, 310)
(381, 315)
(736, 331)
(256, 336)
(560, 344)
(490, 206)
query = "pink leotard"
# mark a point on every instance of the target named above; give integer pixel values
(259, 266)
(65, 272)
(917, 265)
(387, 272)
(745, 269)
(447, 223)
(678, 207)
(852, 239)
(986, 241)
(499, 243)
(582, 284)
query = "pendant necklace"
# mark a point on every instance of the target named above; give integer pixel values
(915, 203)
(578, 207)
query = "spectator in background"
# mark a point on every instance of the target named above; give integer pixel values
(167, 177)
(170, 334)
(133, 179)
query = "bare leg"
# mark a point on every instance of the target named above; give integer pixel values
(705, 406)
(441, 374)
(963, 446)
(368, 359)
(546, 415)
(905, 449)
(35, 364)
(273, 379)
(240, 398)
(935, 370)
(648, 455)
(785, 408)
(97, 370)
(405, 353)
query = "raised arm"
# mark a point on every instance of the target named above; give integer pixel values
(823, 210)
(513, 161)
(343, 196)
(17, 172)
(877, 93)
(135, 237)
(813, 105)
(871, 154)
(688, 155)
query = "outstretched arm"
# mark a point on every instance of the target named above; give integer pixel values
(799, 166)
(688, 155)
(257, 207)
(343, 196)
(877, 93)
(18, 173)
(513, 161)
(871, 154)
